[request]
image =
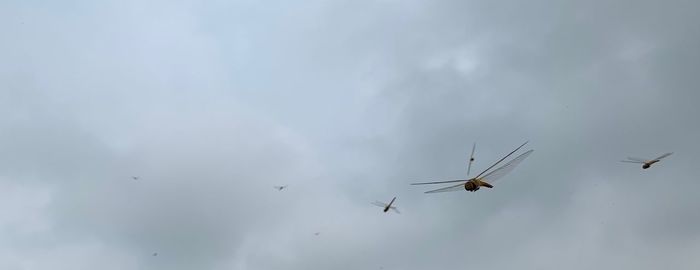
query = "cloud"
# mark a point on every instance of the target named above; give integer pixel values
(213, 103)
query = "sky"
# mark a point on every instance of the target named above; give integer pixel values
(212, 103)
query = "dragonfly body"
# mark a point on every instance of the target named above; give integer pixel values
(474, 184)
(388, 206)
(471, 159)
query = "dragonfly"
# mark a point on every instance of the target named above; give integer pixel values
(646, 163)
(280, 187)
(471, 159)
(387, 206)
(473, 184)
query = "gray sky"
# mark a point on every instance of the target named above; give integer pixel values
(212, 103)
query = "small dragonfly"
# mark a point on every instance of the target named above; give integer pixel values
(471, 159)
(646, 163)
(473, 184)
(387, 206)
(280, 187)
(135, 177)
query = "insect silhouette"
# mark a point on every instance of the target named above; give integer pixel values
(646, 163)
(471, 159)
(387, 206)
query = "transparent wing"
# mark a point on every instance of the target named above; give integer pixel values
(395, 210)
(505, 169)
(378, 203)
(663, 156)
(637, 159)
(500, 160)
(448, 189)
(632, 161)
(441, 182)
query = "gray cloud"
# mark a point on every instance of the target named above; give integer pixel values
(213, 103)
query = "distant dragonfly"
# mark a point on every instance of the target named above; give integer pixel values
(135, 177)
(280, 187)
(387, 206)
(473, 184)
(645, 162)
(471, 159)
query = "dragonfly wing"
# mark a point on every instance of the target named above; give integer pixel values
(456, 187)
(637, 159)
(395, 210)
(378, 203)
(663, 156)
(505, 169)
(500, 160)
(632, 161)
(441, 182)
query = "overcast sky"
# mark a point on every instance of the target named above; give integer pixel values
(212, 103)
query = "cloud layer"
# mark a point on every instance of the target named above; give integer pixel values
(213, 103)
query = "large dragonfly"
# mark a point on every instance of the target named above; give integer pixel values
(646, 163)
(473, 184)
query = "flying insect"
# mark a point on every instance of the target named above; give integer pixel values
(645, 162)
(471, 159)
(473, 184)
(280, 188)
(387, 206)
